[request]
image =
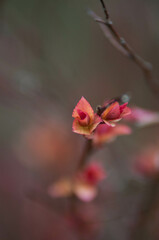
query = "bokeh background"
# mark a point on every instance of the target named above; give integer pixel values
(51, 54)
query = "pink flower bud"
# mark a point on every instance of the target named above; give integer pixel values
(85, 119)
(114, 113)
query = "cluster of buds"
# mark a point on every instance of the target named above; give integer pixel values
(83, 184)
(101, 126)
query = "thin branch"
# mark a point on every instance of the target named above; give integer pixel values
(121, 45)
(105, 10)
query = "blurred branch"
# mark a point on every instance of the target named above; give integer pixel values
(121, 45)
(86, 151)
(149, 205)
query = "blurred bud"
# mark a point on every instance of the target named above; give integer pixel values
(87, 180)
(85, 192)
(83, 184)
(92, 174)
(147, 162)
(142, 117)
(104, 133)
(62, 188)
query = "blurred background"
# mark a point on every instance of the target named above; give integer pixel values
(51, 54)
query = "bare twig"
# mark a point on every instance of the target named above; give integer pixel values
(105, 10)
(121, 45)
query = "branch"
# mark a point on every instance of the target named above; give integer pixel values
(85, 154)
(147, 211)
(121, 45)
(105, 10)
